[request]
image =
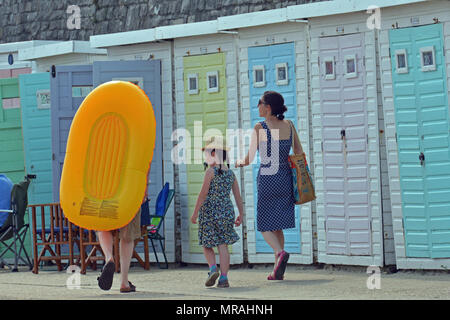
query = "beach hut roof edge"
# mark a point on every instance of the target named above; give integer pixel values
(61, 48)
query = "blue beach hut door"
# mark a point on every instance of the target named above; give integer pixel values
(272, 67)
(422, 123)
(69, 85)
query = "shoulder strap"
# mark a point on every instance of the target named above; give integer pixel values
(292, 137)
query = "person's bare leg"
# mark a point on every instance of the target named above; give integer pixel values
(106, 243)
(273, 241)
(210, 256)
(126, 251)
(224, 258)
(280, 236)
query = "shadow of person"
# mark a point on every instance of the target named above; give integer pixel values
(303, 282)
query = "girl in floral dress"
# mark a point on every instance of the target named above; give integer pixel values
(215, 212)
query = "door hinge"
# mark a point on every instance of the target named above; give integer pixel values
(364, 61)
(53, 156)
(370, 225)
(396, 137)
(321, 145)
(325, 225)
(318, 62)
(367, 138)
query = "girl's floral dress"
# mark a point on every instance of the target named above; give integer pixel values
(216, 215)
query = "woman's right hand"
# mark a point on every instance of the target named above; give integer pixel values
(239, 163)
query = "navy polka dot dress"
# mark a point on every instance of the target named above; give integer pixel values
(276, 204)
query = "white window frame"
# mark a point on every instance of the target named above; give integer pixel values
(282, 82)
(430, 67)
(39, 93)
(397, 68)
(136, 80)
(214, 74)
(329, 76)
(83, 91)
(260, 83)
(349, 75)
(189, 77)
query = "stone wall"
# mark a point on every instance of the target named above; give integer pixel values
(22, 20)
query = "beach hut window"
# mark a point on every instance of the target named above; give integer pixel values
(259, 76)
(212, 81)
(81, 91)
(43, 99)
(401, 61)
(137, 81)
(193, 83)
(427, 59)
(350, 66)
(11, 103)
(330, 73)
(281, 74)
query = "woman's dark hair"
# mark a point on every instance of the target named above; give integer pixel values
(276, 102)
(224, 159)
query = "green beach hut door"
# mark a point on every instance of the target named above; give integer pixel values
(205, 97)
(11, 145)
(422, 124)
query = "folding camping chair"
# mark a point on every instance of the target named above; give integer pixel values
(14, 227)
(151, 226)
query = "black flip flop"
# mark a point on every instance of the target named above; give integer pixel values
(105, 279)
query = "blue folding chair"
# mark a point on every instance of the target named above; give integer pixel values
(152, 223)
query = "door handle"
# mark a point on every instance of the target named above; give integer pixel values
(422, 158)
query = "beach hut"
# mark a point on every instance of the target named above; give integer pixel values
(415, 70)
(207, 104)
(142, 47)
(10, 63)
(272, 56)
(36, 110)
(345, 128)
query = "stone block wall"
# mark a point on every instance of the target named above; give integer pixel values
(22, 20)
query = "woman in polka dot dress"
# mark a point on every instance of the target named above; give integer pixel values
(215, 211)
(276, 204)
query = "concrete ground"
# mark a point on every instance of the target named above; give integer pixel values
(187, 283)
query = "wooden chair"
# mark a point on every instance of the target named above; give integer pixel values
(89, 238)
(55, 231)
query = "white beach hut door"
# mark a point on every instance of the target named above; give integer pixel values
(345, 145)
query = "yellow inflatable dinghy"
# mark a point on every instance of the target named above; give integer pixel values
(109, 150)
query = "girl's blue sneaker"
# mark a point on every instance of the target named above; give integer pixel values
(223, 282)
(213, 274)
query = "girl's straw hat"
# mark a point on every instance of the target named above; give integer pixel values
(216, 142)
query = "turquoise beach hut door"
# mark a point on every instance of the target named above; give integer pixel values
(273, 68)
(37, 135)
(422, 122)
